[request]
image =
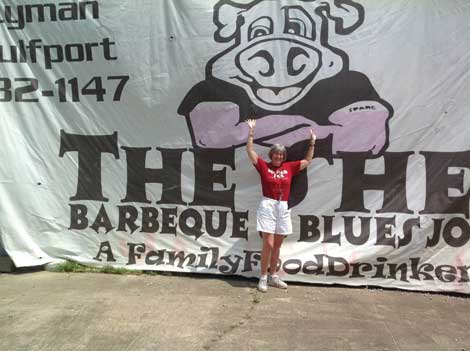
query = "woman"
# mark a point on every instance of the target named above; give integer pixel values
(273, 216)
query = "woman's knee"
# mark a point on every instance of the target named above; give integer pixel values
(268, 240)
(277, 242)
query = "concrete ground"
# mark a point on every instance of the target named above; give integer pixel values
(78, 311)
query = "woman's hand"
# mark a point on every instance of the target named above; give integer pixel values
(313, 137)
(251, 123)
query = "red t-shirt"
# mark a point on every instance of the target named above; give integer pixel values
(276, 180)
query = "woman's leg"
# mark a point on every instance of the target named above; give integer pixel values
(277, 242)
(266, 253)
(268, 242)
(275, 280)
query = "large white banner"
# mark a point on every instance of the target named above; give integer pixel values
(122, 135)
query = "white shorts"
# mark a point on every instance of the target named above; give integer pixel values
(273, 217)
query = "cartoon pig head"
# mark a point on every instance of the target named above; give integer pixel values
(281, 48)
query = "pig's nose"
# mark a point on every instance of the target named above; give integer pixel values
(295, 62)
(297, 59)
(265, 61)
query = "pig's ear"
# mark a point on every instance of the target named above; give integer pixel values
(347, 15)
(228, 19)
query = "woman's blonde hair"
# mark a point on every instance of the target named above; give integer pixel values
(277, 148)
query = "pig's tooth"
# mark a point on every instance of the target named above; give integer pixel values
(284, 95)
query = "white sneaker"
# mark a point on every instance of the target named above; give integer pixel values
(263, 285)
(276, 282)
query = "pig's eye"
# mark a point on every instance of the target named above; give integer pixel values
(296, 27)
(261, 27)
(298, 22)
(259, 31)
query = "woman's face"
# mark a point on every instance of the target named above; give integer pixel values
(277, 158)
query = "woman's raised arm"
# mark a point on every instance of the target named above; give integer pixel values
(311, 147)
(249, 143)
